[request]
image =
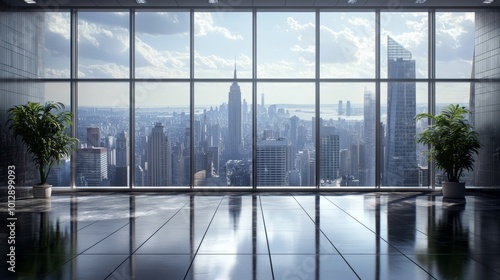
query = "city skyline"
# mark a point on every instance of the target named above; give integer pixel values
(210, 98)
(347, 44)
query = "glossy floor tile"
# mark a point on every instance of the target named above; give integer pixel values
(393, 235)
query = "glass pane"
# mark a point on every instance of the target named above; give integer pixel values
(404, 162)
(162, 147)
(285, 132)
(454, 44)
(404, 36)
(347, 45)
(486, 108)
(162, 45)
(21, 54)
(56, 62)
(454, 93)
(102, 158)
(59, 92)
(223, 134)
(103, 45)
(347, 131)
(286, 45)
(221, 40)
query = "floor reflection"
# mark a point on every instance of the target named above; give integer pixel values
(256, 236)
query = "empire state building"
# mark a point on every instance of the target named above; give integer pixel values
(234, 142)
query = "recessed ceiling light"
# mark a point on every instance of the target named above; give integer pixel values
(213, 1)
(352, 1)
(420, 1)
(140, 1)
(488, 1)
(30, 1)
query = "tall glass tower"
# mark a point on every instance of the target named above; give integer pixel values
(401, 158)
(485, 98)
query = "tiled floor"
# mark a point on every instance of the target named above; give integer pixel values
(254, 236)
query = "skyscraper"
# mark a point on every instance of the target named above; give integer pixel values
(294, 124)
(329, 156)
(159, 169)
(485, 98)
(22, 49)
(401, 158)
(122, 160)
(234, 142)
(368, 164)
(93, 137)
(272, 157)
(92, 166)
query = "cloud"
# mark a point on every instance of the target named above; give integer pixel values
(103, 71)
(146, 55)
(455, 36)
(204, 25)
(215, 66)
(304, 44)
(166, 23)
(338, 46)
(104, 43)
(118, 19)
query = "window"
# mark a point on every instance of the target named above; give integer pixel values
(103, 128)
(103, 45)
(194, 127)
(162, 45)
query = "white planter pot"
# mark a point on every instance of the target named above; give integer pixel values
(453, 189)
(42, 191)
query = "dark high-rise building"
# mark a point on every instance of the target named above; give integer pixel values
(159, 170)
(401, 158)
(294, 124)
(329, 156)
(122, 160)
(486, 98)
(93, 137)
(21, 59)
(92, 166)
(234, 141)
(368, 165)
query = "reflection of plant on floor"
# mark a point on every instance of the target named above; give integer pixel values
(47, 251)
(448, 243)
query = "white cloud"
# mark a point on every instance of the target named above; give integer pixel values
(58, 23)
(204, 25)
(454, 36)
(215, 66)
(162, 23)
(108, 70)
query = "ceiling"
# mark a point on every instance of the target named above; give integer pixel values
(225, 5)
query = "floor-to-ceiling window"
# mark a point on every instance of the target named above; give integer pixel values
(261, 97)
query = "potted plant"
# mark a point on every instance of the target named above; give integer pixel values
(43, 129)
(453, 144)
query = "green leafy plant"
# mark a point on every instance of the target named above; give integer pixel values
(43, 129)
(453, 142)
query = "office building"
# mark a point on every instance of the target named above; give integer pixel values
(485, 98)
(272, 159)
(401, 155)
(92, 167)
(159, 161)
(329, 157)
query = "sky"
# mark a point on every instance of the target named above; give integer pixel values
(286, 48)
